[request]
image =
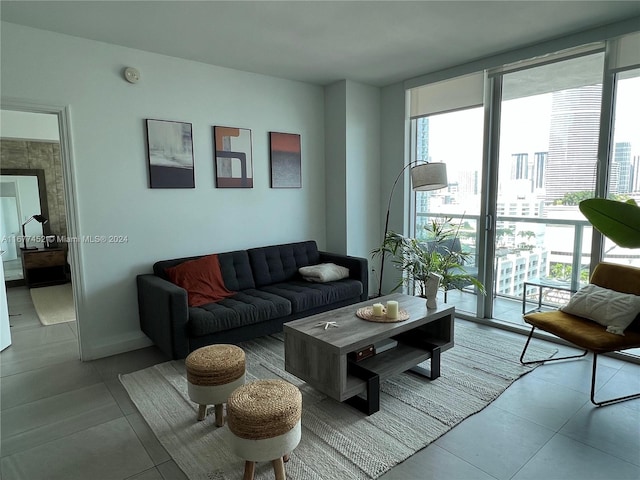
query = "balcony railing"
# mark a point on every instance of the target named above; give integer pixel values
(526, 249)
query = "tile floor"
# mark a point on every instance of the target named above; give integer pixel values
(64, 419)
(12, 269)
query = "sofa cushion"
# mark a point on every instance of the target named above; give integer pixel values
(305, 296)
(235, 268)
(324, 272)
(202, 280)
(244, 308)
(280, 263)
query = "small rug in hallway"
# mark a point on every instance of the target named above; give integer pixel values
(338, 442)
(54, 304)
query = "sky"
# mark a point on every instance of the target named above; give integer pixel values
(456, 137)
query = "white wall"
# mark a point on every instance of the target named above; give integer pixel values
(110, 166)
(394, 154)
(5, 325)
(36, 126)
(336, 166)
(352, 145)
(363, 171)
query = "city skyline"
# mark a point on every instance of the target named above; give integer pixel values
(527, 130)
(548, 148)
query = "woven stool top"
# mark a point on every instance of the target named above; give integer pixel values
(264, 409)
(215, 365)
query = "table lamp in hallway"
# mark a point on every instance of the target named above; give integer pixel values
(39, 218)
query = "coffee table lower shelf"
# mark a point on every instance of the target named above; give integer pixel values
(367, 374)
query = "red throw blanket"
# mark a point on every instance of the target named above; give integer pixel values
(202, 279)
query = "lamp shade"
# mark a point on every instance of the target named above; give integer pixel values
(429, 176)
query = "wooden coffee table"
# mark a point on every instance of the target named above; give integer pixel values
(321, 357)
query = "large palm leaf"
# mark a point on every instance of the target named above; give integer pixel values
(619, 221)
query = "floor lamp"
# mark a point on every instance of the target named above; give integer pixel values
(424, 177)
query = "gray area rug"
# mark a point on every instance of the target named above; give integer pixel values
(338, 442)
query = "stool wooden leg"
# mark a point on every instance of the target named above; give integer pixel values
(202, 412)
(278, 468)
(249, 468)
(220, 414)
(285, 458)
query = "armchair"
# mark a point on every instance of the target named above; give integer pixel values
(587, 334)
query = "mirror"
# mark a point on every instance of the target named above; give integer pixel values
(23, 193)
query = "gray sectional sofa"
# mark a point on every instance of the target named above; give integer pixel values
(269, 291)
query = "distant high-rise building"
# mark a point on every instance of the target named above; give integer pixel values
(539, 163)
(469, 182)
(422, 139)
(573, 141)
(519, 166)
(622, 158)
(635, 174)
(614, 178)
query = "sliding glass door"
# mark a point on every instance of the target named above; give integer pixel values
(547, 162)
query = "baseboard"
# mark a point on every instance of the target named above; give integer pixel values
(115, 346)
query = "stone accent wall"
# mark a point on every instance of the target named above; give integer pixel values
(30, 154)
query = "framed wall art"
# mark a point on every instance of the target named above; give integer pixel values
(286, 160)
(170, 153)
(233, 159)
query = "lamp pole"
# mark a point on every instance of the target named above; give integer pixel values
(386, 223)
(424, 176)
(24, 235)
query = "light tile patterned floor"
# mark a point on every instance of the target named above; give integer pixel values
(64, 419)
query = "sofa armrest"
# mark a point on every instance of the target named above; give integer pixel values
(358, 269)
(164, 314)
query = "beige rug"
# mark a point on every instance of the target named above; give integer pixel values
(54, 304)
(338, 442)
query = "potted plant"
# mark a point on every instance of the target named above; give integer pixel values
(440, 253)
(619, 221)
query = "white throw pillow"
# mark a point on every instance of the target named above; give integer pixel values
(324, 272)
(609, 308)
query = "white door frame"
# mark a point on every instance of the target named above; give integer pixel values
(63, 113)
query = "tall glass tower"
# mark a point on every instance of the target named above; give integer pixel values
(573, 141)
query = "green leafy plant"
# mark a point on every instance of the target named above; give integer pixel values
(618, 221)
(437, 254)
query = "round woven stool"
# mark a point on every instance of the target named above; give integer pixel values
(213, 372)
(264, 420)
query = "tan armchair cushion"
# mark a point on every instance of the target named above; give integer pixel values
(583, 332)
(587, 333)
(620, 278)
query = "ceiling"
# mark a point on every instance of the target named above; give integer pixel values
(320, 42)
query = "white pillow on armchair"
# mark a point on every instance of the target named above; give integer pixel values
(614, 310)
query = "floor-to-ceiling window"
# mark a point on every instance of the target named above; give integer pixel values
(547, 161)
(454, 138)
(624, 174)
(448, 127)
(520, 162)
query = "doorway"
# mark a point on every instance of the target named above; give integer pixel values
(40, 279)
